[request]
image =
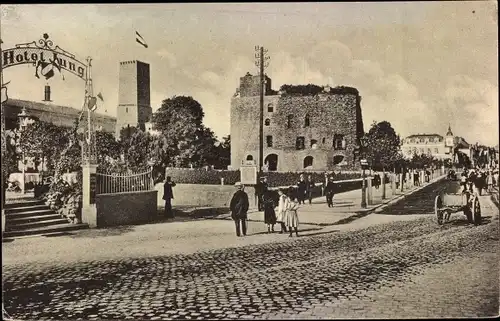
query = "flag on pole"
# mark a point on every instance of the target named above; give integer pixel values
(140, 40)
(99, 95)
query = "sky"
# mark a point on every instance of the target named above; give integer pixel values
(419, 65)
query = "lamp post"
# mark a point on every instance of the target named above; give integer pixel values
(23, 122)
(364, 166)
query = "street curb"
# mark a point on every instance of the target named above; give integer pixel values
(358, 214)
(380, 207)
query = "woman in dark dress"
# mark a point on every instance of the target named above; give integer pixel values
(269, 213)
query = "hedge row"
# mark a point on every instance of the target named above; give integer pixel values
(213, 177)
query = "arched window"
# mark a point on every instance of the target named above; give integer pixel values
(337, 159)
(272, 162)
(314, 144)
(289, 121)
(308, 161)
(249, 157)
(270, 108)
(307, 121)
(323, 140)
(267, 122)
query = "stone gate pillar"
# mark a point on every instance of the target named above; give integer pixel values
(89, 180)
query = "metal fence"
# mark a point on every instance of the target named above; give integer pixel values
(119, 183)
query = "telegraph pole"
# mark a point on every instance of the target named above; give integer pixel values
(261, 61)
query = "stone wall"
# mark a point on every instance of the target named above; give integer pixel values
(329, 114)
(126, 208)
(204, 195)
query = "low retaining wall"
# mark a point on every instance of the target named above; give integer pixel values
(203, 195)
(126, 208)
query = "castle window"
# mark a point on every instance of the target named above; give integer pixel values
(300, 143)
(307, 121)
(126, 109)
(249, 157)
(270, 108)
(269, 141)
(323, 140)
(314, 144)
(339, 142)
(308, 161)
(267, 122)
(289, 121)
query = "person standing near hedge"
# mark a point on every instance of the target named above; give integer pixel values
(168, 195)
(330, 191)
(301, 190)
(310, 186)
(260, 190)
(269, 213)
(239, 209)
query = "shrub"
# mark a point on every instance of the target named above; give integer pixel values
(274, 179)
(66, 199)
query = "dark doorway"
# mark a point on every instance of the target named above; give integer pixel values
(272, 162)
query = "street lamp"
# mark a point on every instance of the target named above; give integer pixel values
(23, 122)
(364, 166)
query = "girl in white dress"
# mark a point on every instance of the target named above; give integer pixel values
(280, 213)
(291, 217)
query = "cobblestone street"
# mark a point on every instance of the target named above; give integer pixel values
(395, 269)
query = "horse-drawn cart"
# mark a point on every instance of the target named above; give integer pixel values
(446, 204)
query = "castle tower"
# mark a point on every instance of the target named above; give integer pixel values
(134, 104)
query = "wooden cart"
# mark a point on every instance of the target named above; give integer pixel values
(446, 204)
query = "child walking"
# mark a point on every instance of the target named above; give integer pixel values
(291, 217)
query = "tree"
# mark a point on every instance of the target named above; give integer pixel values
(43, 141)
(106, 146)
(382, 147)
(138, 152)
(185, 139)
(223, 153)
(9, 157)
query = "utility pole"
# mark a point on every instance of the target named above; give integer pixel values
(261, 61)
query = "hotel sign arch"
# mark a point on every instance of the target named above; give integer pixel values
(46, 57)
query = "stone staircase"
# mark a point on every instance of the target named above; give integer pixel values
(34, 218)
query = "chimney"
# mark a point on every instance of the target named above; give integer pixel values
(47, 93)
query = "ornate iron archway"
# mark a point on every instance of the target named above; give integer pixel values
(50, 60)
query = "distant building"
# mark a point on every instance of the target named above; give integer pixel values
(434, 145)
(301, 132)
(52, 113)
(134, 101)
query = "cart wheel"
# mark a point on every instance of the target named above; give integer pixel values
(438, 203)
(476, 210)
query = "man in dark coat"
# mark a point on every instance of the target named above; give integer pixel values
(168, 195)
(260, 189)
(301, 189)
(310, 186)
(239, 209)
(330, 191)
